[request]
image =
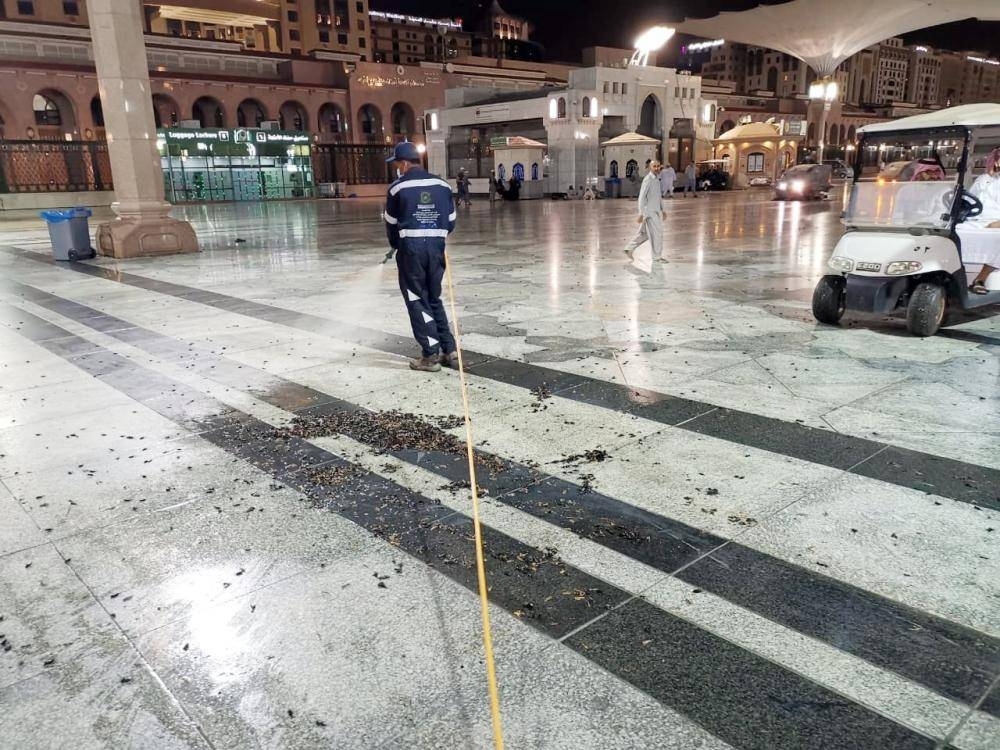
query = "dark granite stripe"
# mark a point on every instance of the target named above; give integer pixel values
(819, 446)
(653, 653)
(733, 693)
(953, 660)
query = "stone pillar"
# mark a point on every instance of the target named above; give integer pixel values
(143, 226)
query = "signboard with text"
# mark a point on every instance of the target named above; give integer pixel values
(238, 142)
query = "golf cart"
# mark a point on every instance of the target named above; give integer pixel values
(902, 249)
(712, 174)
(804, 182)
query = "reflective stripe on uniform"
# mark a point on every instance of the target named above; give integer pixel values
(423, 232)
(452, 216)
(429, 182)
(389, 219)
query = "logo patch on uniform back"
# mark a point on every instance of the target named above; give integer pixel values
(425, 197)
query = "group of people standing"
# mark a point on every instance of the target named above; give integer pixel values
(657, 185)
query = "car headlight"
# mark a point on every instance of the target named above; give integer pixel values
(782, 185)
(842, 264)
(798, 185)
(900, 267)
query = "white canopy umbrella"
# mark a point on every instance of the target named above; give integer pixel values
(824, 33)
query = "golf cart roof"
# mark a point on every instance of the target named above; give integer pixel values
(967, 115)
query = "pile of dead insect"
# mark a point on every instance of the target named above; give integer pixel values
(334, 476)
(387, 432)
(595, 455)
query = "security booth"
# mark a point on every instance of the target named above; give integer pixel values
(758, 152)
(206, 164)
(523, 158)
(625, 158)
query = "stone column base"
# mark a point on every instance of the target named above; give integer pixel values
(138, 237)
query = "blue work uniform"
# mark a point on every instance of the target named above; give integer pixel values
(419, 216)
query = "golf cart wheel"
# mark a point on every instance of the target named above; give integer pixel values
(829, 299)
(925, 312)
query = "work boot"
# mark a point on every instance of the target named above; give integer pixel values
(426, 364)
(449, 359)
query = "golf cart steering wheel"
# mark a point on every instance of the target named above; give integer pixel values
(969, 205)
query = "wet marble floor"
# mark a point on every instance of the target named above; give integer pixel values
(234, 518)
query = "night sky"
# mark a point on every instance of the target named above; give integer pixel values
(564, 27)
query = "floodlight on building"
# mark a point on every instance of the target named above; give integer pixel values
(421, 148)
(650, 41)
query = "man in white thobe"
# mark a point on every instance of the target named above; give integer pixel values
(667, 179)
(651, 214)
(981, 235)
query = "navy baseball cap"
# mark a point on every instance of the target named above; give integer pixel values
(405, 151)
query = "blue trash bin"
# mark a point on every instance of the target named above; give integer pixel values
(69, 232)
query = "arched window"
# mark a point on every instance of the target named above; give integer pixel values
(534, 171)
(518, 172)
(561, 107)
(250, 114)
(292, 116)
(631, 169)
(852, 134)
(501, 172)
(332, 119)
(164, 111)
(586, 107)
(97, 112)
(208, 112)
(613, 169)
(370, 120)
(401, 116)
(46, 111)
(755, 162)
(651, 118)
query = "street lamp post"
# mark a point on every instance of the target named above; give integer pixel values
(824, 91)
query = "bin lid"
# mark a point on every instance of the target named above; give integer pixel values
(56, 215)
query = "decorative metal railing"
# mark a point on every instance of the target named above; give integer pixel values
(352, 163)
(54, 166)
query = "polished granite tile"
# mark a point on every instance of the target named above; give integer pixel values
(929, 553)
(18, 530)
(236, 535)
(398, 652)
(980, 731)
(107, 697)
(747, 701)
(976, 485)
(119, 434)
(49, 616)
(826, 448)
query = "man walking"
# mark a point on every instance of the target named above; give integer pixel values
(667, 179)
(690, 180)
(651, 215)
(419, 215)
